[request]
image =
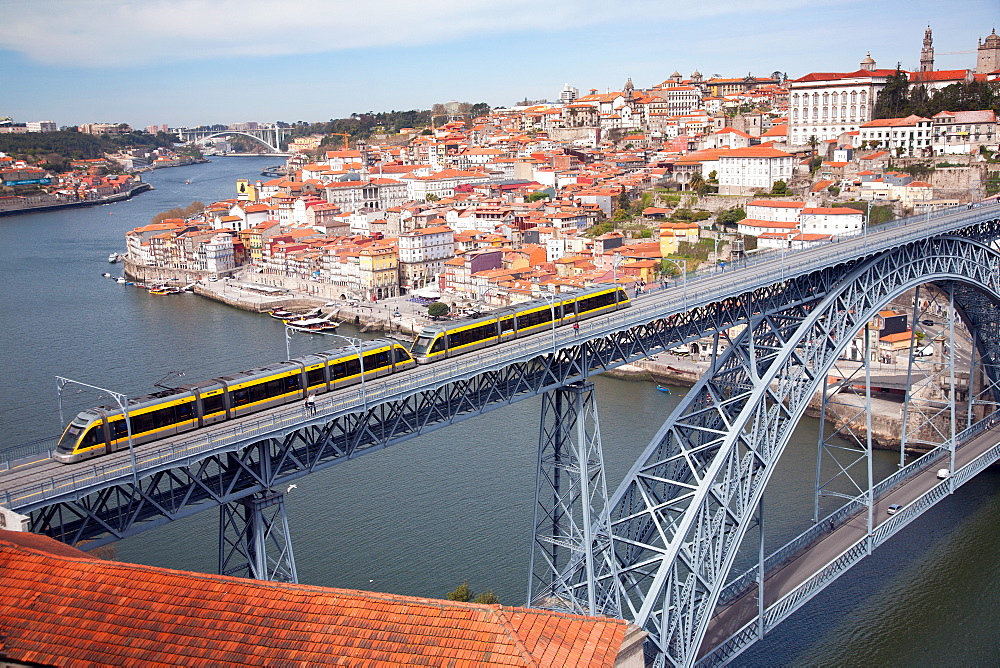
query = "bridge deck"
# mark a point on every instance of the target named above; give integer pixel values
(736, 614)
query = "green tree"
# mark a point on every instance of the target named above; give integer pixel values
(623, 200)
(431, 197)
(438, 310)
(779, 188)
(462, 592)
(731, 216)
(813, 143)
(537, 195)
(894, 100)
(487, 598)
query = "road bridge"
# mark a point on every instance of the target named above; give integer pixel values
(661, 550)
(269, 135)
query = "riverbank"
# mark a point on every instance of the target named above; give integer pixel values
(57, 202)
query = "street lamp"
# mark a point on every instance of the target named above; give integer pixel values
(615, 261)
(551, 299)
(682, 265)
(355, 345)
(120, 399)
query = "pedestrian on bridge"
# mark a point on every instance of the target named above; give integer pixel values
(310, 404)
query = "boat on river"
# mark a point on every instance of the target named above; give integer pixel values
(313, 325)
(114, 257)
(165, 290)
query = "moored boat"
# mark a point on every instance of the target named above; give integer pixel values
(313, 325)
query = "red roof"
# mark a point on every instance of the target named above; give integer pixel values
(64, 607)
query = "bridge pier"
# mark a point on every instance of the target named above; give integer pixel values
(570, 524)
(253, 538)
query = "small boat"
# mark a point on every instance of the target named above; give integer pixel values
(120, 279)
(165, 290)
(313, 325)
(663, 388)
(282, 314)
(106, 275)
(188, 182)
(114, 257)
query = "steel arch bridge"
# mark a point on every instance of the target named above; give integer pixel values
(269, 136)
(662, 555)
(679, 518)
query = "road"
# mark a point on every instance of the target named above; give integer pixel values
(735, 615)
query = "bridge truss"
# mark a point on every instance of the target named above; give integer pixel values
(681, 515)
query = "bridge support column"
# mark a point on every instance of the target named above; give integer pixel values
(253, 539)
(570, 525)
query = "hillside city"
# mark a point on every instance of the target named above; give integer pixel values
(495, 206)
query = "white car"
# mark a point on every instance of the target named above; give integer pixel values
(943, 474)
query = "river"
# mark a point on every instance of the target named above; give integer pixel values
(454, 505)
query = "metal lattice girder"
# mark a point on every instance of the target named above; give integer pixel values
(81, 507)
(113, 510)
(253, 539)
(680, 515)
(571, 502)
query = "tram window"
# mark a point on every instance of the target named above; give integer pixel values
(507, 325)
(291, 383)
(119, 430)
(93, 436)
(213, 404)
(185, 411)
(381, 359)
(315, 377)
(402, 356)
(439, 345)
(240, 397)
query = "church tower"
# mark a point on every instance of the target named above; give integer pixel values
(927, 53)
(988, 54)
(868, 63)
(629, 90)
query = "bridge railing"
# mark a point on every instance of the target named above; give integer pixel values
(794, 547)
(787, 604)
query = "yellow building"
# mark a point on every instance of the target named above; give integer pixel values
(379, 268)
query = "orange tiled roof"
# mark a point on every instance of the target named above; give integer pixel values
(64, 607)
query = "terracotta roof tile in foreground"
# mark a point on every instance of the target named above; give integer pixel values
(63, 607)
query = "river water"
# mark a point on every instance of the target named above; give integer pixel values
(454, 505)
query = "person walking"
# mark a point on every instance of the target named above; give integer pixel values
(576, 329)
(310, 404)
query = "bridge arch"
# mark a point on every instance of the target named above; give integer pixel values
(227, 133)
(683, 511)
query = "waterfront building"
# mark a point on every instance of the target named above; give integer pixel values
(422, 254)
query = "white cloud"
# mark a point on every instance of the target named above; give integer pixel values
(115, 33)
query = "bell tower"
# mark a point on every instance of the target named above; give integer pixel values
(927, 53)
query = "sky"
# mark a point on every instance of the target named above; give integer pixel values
(194, 62)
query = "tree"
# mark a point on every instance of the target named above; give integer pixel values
(438, 310)
(731, 216)
(623, 201)
(813, 142)
(894, 100)
(779, 188)
(696, 181)
(479, 109)
(537, 195)
(464, 593)
(713, 176)
(431, 197)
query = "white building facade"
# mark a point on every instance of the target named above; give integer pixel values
(744, 171)
(826, 105)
